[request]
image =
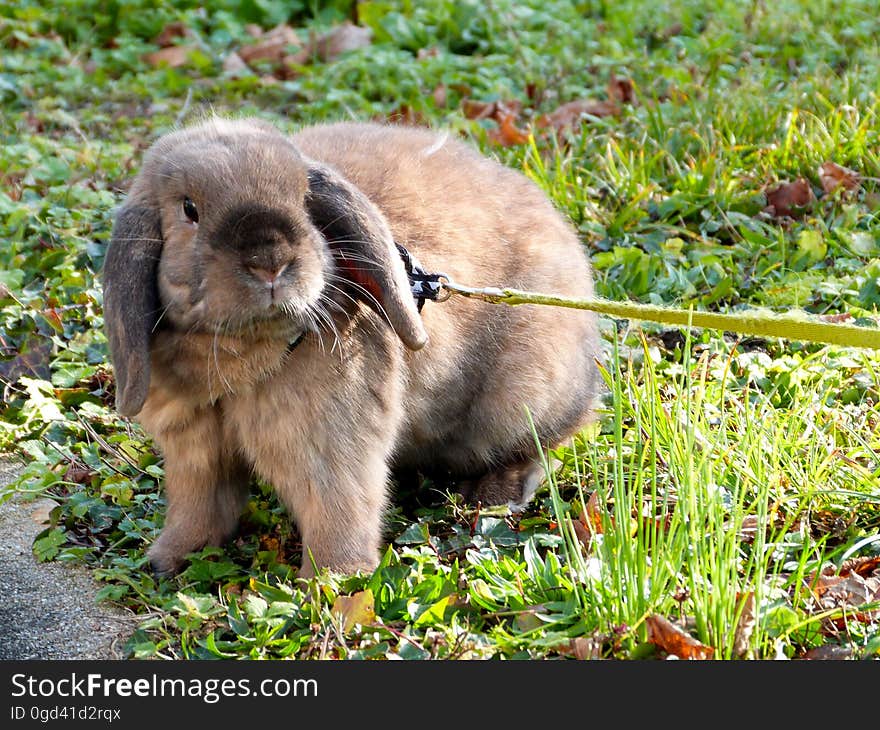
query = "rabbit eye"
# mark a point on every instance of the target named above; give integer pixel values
(190, 210)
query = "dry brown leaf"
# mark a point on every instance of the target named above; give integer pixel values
(571, 114)
(474, 109)
(833, 176)
(583, 647)
(673, 640)
(54, 318)
(672, 31)
(866, 568)
(789, 198)
(41, 513)
(439, 95)
(534, 93)
(745, 626)
(172, 56)
(829, 651)
(748, 528)
(507, 134)
(590, 520)
(359, 608)
(270, 46)
(583, 534)
(863, 566)
(622, 91)
(233, 63)
(341, 39)
(848, 590)
(405, 114)
(78, 474)
(171, 33)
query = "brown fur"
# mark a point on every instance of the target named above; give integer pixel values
(324, 423)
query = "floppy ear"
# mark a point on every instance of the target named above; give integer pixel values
(364, 250)
(131, 301)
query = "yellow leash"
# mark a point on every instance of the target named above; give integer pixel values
(788, 325)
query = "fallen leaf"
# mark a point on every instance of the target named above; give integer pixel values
(270, 46)
(789, 198)
(439, 96)
(589, 522)
(621, 90)
(359, 608)
(673, 640)
(748, 528)
(848, 589)
(583, 535)
(172, 56)
(233, 63)
(859, 571)
(672, 31)
(171, 33)
(289, 67)
(534, 93)
(745, 626)
(341, 39)
(829, 651)
(863, 566)
(405, 114)
(504, 113)
(583, 647)
(573, 113)
(54, 318)
(833, 176)
(41, 514)
(32, 360)
(507, 134)
(474, 109)
(78, 474)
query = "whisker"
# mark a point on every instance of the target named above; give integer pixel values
(366, 292)
(138, 238)
(321, 316)
(337, 340)
(162, 312)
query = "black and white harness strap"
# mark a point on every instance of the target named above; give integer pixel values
(424, 286)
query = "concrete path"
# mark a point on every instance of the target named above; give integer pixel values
(48, 610)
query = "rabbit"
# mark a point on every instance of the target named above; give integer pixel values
(261, 322)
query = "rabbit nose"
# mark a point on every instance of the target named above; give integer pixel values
(267, 276)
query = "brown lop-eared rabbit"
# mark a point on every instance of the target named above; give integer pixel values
(261, 321)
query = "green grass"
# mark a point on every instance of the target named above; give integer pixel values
(720, 475)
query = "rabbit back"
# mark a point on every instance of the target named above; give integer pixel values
(484, 224)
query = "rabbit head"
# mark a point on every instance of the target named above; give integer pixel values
(228, 229)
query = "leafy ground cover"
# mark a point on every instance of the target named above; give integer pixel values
(721, 155)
